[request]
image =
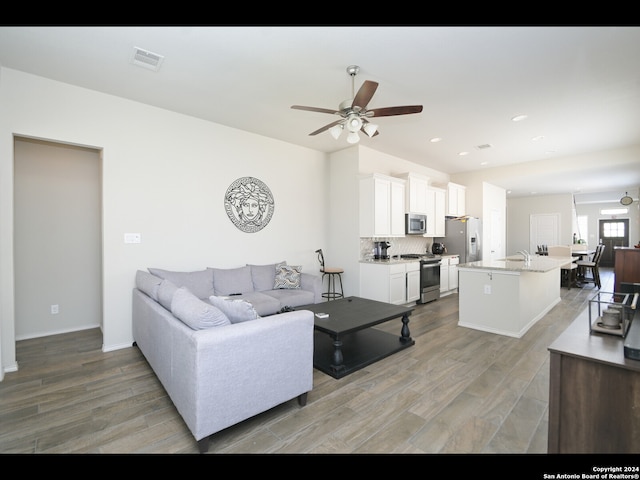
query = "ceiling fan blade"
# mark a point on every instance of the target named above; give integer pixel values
(327, 127)
(363, 97)
(315, 109)
(390, 111)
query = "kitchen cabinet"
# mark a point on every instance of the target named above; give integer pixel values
(436, 202)
(382, 206)
(444, 277)
(456, 200)
(416, 192)
(449, 273)
(413, 281)
(390, 281)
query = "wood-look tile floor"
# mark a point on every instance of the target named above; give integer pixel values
(456, 391)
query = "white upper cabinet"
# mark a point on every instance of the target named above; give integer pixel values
(456, 198)
(436, 212)
(382, 206)
(416, 193)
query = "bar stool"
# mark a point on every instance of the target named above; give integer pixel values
(332, 272)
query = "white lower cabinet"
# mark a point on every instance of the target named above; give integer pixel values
(396, 283)
(413, 281)
(449, 273)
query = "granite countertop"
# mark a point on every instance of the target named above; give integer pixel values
(515, 263)
(389, 261)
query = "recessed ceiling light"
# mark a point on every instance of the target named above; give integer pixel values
(463, 153)
(538, 138)
(519, 118)
(484, 163)
(435, 140)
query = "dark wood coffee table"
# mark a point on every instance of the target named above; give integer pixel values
(345, 342)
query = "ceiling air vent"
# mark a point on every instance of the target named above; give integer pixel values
(146, 59)
(482, 147)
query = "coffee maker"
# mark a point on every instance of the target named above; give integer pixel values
(380, 250)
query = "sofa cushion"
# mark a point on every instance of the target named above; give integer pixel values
(227, 281)
(263, 276)
(148, 284)
(196, 313)
(200, 283)
(287, 277)
(236, 310)
(291, 297)
(166, 290)
(263, 303)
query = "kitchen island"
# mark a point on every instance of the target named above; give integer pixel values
(508, 296)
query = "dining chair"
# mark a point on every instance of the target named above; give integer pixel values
(568, 271)
(593, 266)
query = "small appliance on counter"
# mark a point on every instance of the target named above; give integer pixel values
(380, 250)
(438, 248)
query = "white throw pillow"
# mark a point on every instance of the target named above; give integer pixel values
(236, 310)
(196, 313)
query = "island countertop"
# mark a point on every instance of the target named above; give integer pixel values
(516, 263)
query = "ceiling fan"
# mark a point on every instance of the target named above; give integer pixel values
(353, 112)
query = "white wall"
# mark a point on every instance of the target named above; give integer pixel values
(519, 211)
(164, 176)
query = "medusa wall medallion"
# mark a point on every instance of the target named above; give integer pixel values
(249, 204)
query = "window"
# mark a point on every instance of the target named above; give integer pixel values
(583, 227)
(614, 211)
(613, 229)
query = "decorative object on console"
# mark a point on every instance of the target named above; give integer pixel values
(249, 204)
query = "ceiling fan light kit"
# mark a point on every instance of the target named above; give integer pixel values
(354, 111)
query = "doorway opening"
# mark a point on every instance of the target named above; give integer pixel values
(57, 238)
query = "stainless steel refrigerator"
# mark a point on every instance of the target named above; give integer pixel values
(463, 237)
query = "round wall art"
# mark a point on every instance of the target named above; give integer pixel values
(249, 204)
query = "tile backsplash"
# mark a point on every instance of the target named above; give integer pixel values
(399, 245)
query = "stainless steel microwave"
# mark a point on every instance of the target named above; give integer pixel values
(415, 224)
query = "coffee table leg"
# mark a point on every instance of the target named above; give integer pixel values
(406, 335)
(338, 359)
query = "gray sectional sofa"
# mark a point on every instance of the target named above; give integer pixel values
(223, 358)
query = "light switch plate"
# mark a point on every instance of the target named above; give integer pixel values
(487, 289)
(132, 238)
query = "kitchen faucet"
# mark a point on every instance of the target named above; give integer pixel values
(526, 255)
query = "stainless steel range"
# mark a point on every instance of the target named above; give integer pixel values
(429, 275)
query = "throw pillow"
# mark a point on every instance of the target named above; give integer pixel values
(263, 276)
(200, 282)
(288, 277)
(166, 289)
(236, 310)
(227, 281)
(147, 283)
(196, 313)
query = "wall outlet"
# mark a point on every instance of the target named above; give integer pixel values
(55, 309)
(487, 289)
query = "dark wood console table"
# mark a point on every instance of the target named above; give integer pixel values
(594, 393)
(345, 342)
